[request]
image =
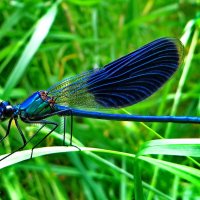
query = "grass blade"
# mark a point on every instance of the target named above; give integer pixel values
(41, 30)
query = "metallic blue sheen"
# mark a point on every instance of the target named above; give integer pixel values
(123, 82)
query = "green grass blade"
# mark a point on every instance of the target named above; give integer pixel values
(41, 30)
(177, 147)
(185, 172)
(10, 22)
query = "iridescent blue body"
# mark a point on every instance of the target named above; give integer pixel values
(121, 83)
(35, 106)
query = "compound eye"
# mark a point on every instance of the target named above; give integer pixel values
(6, 110)
(9, 110)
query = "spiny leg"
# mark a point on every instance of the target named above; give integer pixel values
(22, 136)
(8, 130)
(44, 122)
(64, 134)
(56, 125)
(71, 130)
(43, 125)
(65, 113)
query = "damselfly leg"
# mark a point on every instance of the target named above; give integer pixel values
(44, 123)
(21, 134)
(65, 113)
(71, 128)
(7, 131)
(70, 114)
(25, 142)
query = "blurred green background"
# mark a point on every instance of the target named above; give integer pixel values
(43, 42)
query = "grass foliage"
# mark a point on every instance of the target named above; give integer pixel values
(43, 42)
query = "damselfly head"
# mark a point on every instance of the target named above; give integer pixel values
(6, 110)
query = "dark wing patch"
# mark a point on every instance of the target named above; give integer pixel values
(123, 82)
(137, 75)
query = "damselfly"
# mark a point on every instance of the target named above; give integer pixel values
(121, 83)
